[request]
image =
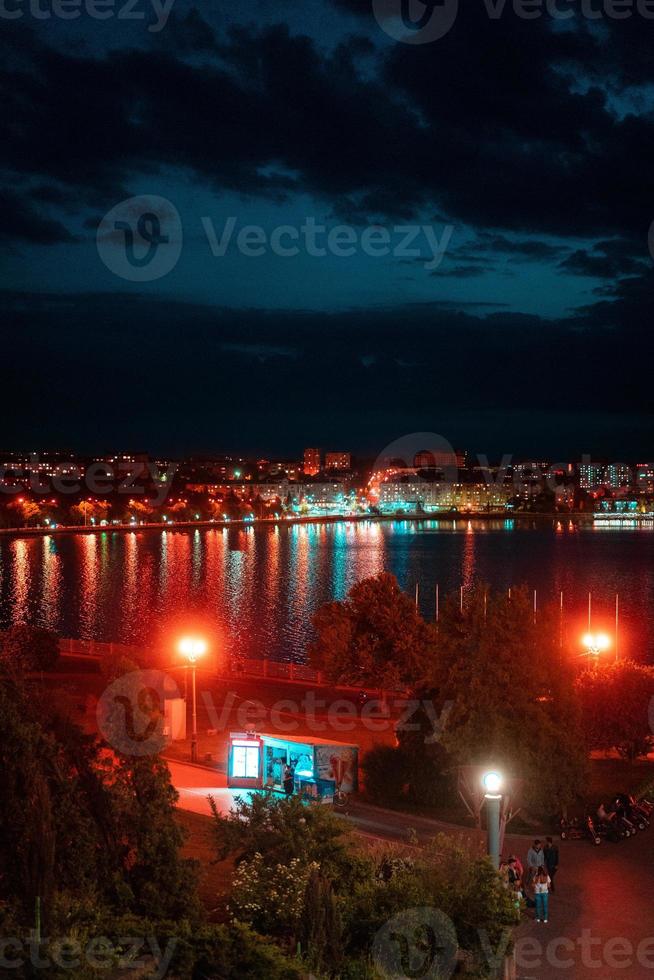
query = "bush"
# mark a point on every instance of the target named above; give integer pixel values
(25, 648)
(385, 774)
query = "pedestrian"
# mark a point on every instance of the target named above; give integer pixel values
(288, 781)
(518, 865)
(542, 884)
(513, 881)
(535, 859)
(551, 853)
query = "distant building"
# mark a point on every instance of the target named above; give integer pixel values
(645, 477)
(617, 475)
(410, 495)
(438, 459)
(338, 461)
(311, 462)
(591, 476)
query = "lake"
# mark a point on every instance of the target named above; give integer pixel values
(254, 589)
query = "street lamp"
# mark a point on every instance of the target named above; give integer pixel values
(192, 648)
(492, 783)
(596, 643)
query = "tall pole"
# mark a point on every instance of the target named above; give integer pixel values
(617, 624)
(417, 590)
(535, 604)
(461, 599)
(438, 610)
(590, 610)
(194, 734)
(561, 623)
(493, 822)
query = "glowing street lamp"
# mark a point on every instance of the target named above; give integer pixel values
(492, 783)
(596, 643)
(193, 648)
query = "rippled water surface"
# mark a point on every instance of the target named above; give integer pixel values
(257, 587)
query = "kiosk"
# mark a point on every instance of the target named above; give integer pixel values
(319, 765)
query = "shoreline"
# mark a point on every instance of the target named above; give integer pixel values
(449, 516)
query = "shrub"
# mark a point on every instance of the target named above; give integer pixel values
(385, 774)
(26, 648)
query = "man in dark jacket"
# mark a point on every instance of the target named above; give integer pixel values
(551, 853)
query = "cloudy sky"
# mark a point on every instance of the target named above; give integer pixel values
(480, 202)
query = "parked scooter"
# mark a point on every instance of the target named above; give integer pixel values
(576, 829)
(628, 807)
(609, 826)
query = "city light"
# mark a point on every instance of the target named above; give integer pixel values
(596, 643)
(192, 648)
(492, 782)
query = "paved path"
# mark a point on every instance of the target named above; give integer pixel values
(601, 922)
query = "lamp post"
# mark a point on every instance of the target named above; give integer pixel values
(192, 648)
(492, 782)
(596, 643)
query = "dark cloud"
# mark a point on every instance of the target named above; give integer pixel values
(232, 366)
(21, 222)
(608, 259)
(489, 126)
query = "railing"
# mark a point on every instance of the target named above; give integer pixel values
(265, 668)
(272, 670)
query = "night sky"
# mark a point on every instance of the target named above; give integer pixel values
(525, 145)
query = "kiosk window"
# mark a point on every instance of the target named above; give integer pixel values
(245, 763)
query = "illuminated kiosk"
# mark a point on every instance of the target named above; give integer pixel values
(258, 761)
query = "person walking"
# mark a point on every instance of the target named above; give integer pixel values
(551, 854)
(542, 884)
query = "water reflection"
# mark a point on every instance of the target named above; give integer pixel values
(259, 587)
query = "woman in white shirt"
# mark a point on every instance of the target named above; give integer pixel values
(542, 884)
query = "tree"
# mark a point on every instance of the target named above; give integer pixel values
(616, 704)
(283, 829)
(26, 648)
(81, 827)
(28, 511)
(90, 510)
(385, 774)
(510, 695)
(374, 638)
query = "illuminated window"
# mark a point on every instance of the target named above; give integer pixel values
(245, 763)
